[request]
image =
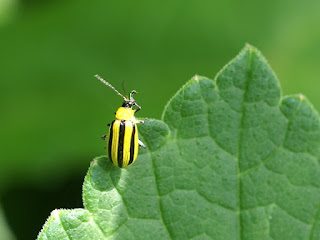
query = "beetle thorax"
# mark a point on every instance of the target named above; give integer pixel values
(124, 113)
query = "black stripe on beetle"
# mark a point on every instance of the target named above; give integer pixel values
(110, 140)
(120, 143)
(132, 144)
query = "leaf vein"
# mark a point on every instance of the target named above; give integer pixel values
(313, 222)
(240, 136)
(158, 196)
(63, 227)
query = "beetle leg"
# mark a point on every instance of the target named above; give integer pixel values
(103, 137)
(141, 120)
(141, 144)
(138, 107)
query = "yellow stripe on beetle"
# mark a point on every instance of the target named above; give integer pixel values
(127, 142)
(123, 140)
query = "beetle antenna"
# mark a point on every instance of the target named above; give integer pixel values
(110, 86)
(123, 89)
(131, 94)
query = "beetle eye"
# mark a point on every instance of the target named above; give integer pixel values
(130, 103)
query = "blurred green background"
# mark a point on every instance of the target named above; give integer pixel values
(53, 111)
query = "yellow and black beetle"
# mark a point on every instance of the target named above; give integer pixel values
(123, 141)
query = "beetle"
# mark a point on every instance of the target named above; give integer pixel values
(123, 141)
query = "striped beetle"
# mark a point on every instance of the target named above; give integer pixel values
(123, 138)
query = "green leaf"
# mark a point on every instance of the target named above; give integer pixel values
(6, 233)
(231, 159)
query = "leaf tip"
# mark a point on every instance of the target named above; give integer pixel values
(302, 97)
(55, 213)
(249, 47)
(196, 77)
(94, 162)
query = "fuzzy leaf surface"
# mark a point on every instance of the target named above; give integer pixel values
(230, 159)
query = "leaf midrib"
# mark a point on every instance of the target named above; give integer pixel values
(240, 136)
